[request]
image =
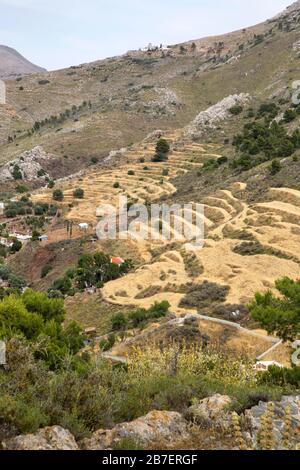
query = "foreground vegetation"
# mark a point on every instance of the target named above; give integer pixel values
(98, 395)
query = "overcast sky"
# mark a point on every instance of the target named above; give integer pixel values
(59, 33)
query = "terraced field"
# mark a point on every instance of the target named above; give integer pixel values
(245, 245)
(138, 178)
(245, 248)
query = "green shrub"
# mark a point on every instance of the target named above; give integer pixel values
(203, 295)
(236, 110)
(58, 195)
(21, 189)
(78, 193)
(16, 173)
(290, 115)
(281, 377)
(162, 146)
(16, 246)
(119, 322)
(275, 167)
(46, 270)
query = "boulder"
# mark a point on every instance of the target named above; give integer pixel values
(156, 425)
(210, 412)
(50, 438)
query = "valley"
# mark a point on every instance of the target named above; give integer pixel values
(154, 341)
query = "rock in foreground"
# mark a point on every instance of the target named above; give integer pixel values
(155, 426)
(51, 438)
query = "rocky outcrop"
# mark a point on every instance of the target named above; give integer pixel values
(210, 412)
(51, 438)
(29, 164)
(155, 426)
(296, 46)
(209, 119)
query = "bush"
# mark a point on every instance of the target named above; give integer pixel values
(131, 173)
(21, 189)
(290, 115)
(222, 160)
(203, 295)
(116, 185)
(119, 322)
(275, 167)
(16, 173)
(236, 110)
(281, 376)
(159, 157)
(162, 146)
(16, 246)
(140, 316)
(78, 193)
(161, 151)
(46, 270)
(58, 195)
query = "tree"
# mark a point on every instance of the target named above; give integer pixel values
(119, 322)
(78, 193)
(58, 195)
(16, 173)
(35, 236)
(275, 167)
(279, 315)
(162, 146)
(16, 246)
(236, 110)
(290, 115)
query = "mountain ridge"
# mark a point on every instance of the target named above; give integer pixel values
(13, 64)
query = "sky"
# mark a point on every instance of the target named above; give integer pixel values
(59, 33)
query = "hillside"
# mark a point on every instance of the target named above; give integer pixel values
(136, 342)
(13, 64)
(88, 110)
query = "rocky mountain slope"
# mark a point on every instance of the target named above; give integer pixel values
(88, 110)
(13, 64)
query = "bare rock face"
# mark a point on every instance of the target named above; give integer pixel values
(157, 425)
(51, 438)
(210, 118)
(296, 46)
(29, 164)
(210, 412)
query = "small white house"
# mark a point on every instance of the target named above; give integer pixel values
(22, 238)
(2, 208)
(43, 238)
(83, 226)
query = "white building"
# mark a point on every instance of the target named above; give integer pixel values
(2, 208)
(22, 238)
(83, 226)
